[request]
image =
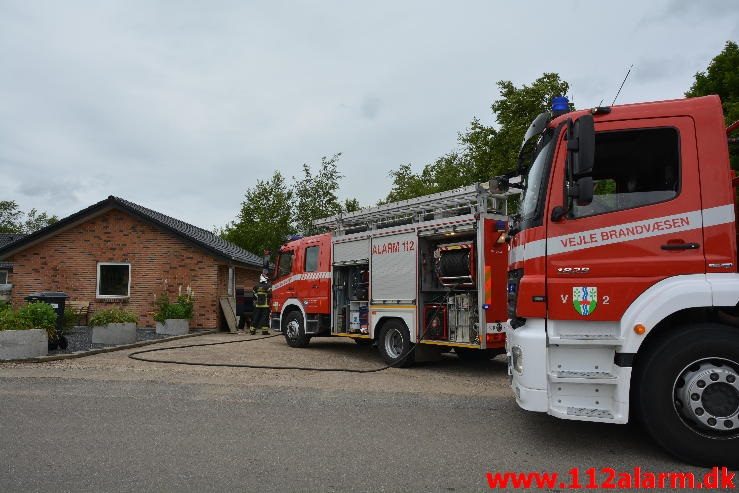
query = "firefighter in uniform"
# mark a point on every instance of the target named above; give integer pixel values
(262, 293)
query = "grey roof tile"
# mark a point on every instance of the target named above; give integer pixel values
(198, 235)
(8, 238)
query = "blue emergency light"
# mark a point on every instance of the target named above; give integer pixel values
(560, 104)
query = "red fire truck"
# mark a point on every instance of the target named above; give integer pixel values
(429, 271)
(623, 276)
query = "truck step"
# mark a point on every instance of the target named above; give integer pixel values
(585, 412)
(586, 339)
(590, 377)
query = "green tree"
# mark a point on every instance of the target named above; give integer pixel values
(514, 112)
(483, 151)
(350, 205)
(722, 78)
(10, 217)
(13, 220)
(316, 194)
(406, 184)
(265, 219)
(36, 220)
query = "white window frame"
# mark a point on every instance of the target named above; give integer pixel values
(4, 273)
(112, 296)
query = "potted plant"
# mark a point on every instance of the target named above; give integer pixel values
(173, 318)
(25, 333)
(113, 327)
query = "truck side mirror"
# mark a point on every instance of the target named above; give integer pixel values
(499, 184)
(582, 145)
(585, 187)
(580, 160)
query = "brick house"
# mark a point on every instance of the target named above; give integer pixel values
(117, 253)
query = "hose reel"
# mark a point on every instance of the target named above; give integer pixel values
(455, 264)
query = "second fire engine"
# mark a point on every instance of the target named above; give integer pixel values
(429, 271)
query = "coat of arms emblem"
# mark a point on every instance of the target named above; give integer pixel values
(585, 299)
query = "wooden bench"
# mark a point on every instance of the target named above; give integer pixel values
(81, 309)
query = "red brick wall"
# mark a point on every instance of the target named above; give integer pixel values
(247, 278)
(68, 262)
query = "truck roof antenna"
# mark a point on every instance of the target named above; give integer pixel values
(622, 84)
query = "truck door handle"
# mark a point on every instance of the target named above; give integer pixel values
(680, 246)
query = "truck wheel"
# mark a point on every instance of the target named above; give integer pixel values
(395, 344)
(688, 394)
(294, 330)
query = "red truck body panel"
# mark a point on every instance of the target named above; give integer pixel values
(624, 250)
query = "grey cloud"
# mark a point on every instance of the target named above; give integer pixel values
(370, 107)
(182, 106)
(652, 70)
(692, 10)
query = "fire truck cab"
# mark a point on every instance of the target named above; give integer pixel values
(429, 271)
(623, 281)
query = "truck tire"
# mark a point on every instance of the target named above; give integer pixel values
(294, 330)
(395, 344)
(688, 394)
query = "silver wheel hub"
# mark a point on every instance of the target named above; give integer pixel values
(707, 396)
(293, 329)
(394, 343)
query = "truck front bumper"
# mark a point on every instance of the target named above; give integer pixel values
(527, 365)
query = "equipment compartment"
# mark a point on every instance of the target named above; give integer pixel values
(449, 294)
(351, 299)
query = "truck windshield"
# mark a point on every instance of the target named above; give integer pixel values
(539, 158)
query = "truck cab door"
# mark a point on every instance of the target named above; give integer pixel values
(643, 225)
(314, 287)
(283, 285)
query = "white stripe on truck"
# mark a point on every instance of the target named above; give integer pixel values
(622, 233)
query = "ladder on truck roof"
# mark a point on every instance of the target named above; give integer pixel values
(460, 201)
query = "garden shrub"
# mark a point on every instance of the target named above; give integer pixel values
(9, 320)
(70, 318)
(31, 316)
(181, 309)
(112, 316)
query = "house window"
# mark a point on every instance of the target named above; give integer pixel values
(311, 259)
(231, 281)
(114, 280)
(3, 277)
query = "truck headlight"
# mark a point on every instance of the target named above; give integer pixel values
(517, 357)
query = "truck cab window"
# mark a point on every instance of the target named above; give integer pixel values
(311, 259)
(633, 168)
(285, 264)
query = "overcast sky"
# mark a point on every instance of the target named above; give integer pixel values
(182, 105)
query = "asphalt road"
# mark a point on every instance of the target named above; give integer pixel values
(107, 423)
